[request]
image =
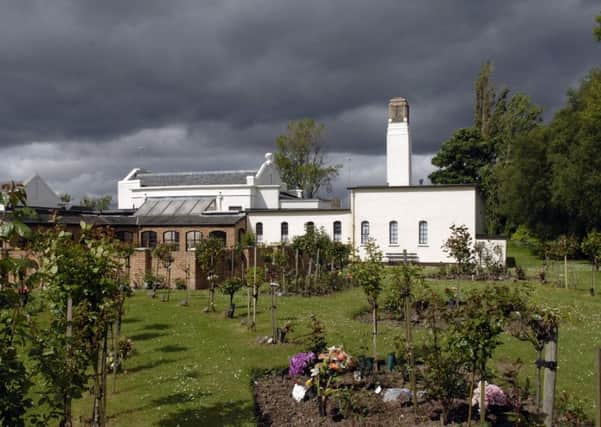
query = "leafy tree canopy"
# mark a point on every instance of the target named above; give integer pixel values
(301, 158)
(99, 203)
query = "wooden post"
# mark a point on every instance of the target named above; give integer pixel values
(598, 387)
(565, 270)
(69, 334)
(254, 320)
(296, 269)
(375, 335)
(550, 378)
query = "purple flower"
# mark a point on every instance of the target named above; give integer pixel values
(300, 362)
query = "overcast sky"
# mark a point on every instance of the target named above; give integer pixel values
(91, 89)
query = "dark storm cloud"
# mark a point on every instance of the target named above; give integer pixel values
(232, 73)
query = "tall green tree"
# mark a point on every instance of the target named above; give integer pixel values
(597, 29)
(524, 190)
(461, 158)
(15, 318)
(484, 99)
(301, 157)
(477, 155)
(575, 155)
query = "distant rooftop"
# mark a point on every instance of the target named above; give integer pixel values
(232, 177)
(174, 206)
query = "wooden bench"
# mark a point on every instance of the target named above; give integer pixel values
(401, 257)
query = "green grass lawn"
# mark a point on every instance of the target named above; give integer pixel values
(194, 369)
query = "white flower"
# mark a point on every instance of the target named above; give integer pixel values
(315, 371)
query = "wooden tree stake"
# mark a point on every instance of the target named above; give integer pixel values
(550, 379)
(598, 386)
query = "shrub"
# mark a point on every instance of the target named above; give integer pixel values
(520, 274)
(180, 283)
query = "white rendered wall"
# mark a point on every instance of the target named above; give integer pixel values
(441, 208)
(296, 223)
(232, 196)
(305, 204)
(398, 154)
(266, 197)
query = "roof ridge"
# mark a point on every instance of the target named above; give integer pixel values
(197, 172)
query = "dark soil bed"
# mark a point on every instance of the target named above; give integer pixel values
(276, 407)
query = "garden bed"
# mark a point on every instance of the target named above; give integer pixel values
(275, 405)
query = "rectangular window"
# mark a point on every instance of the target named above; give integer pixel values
(235, 208)
(393, 233)
(337, 231)
(364, 232)
(149, 239)
(259, 232)
(284, 232)
(423, 233)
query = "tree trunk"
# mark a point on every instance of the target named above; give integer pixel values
(482, 398)
(168, 282)
(375, 335)
(565, 270)
(67, 398)
(316, 268)
(550, 379)
(593, 274)
(116, 358)
(598, 387)
(273, 314)
(296, 269)
(254, 319)
(539, 381)
(309, 275)
(409, 339)
(469, 398)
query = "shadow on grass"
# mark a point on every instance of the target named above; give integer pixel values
(235, 413)
(130, 320)
(150, 365)
(174, 399)
(158, 326)
(172, 348)
(146, 336)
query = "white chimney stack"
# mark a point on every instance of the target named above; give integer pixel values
(398, 144)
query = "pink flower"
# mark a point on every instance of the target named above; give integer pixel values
(494, 396)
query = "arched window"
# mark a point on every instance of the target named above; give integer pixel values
(393, 233)
(364, 232)
(193, 238)
(337, 232)
(171, 238)
(423, 232)
(259, 232)
(309, 227)
(149, 239)
(284, 232)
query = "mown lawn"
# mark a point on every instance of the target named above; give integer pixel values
(193, 369)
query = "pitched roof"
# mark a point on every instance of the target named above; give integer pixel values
(174, 206)
(149, 179)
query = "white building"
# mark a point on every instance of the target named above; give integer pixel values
(404, 220)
